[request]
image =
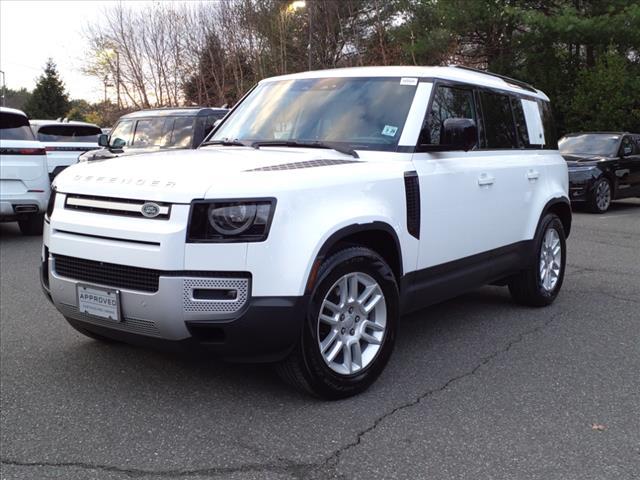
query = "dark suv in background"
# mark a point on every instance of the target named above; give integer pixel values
(603, 166)
(157, 129)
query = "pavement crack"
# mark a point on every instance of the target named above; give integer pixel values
(297, 470)
(332, 460)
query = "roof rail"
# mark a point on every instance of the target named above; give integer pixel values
(510, 80)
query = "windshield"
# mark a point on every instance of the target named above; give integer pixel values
(69, 133)
(358, 113)
(14, 127)
(590, 144)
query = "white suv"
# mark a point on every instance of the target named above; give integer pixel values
(24, 183)
(324, 206)
(65, 141)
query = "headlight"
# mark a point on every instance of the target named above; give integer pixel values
(230, 221)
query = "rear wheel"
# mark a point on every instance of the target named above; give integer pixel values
(539, 284)
(350, 327)
(600, 199)
(31, 224)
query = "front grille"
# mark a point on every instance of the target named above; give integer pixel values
(108, 274)
(117, 206)
(124, 276)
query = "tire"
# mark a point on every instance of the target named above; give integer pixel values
(531, 287)
(346, 328)
(599, 200)
(90, 334)
(31, 224)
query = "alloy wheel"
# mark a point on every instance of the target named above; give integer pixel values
(352, 323)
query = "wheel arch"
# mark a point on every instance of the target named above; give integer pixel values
(377, 236)
(560, 206)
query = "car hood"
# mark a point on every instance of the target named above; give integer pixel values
(582, 160)
(183, 175)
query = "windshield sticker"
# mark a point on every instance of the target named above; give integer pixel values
(408, 81)
(389, 130)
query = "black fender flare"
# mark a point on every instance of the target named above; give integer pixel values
(348, 231)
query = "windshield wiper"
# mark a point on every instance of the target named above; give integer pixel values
(227, 143)
(313, 144)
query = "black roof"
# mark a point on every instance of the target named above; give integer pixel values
(175, 112)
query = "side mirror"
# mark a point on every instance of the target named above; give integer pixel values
(103, 140)
(216, 123)
(459, 134)
(118, 143)
(626, 150)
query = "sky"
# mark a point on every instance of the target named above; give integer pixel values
(32, 31)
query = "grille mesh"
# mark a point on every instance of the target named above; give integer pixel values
(412, 192)
(299, 165)
(109, 274)
(134, 325)
(241, 285)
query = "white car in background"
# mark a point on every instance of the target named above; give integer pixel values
(24, 180)
(65, 141)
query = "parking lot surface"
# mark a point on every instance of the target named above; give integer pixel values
(478, 387)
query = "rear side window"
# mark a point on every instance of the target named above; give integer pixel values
(499, 127)
(182, 133)
(448, 102)
(549, 125)
(68, 133)
(15, 127)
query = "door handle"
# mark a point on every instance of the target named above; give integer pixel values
(485, 179)
(533, 175)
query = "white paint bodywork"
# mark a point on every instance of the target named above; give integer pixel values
(459, 217)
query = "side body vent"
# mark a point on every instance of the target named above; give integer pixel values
(412, 193)
(299, 165)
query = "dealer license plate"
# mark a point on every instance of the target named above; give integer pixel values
(99, 302)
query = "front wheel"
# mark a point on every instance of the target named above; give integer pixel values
(600, 199)
(539, 284)
(350, 327)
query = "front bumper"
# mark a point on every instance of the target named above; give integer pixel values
(581, 183)
(253, 329)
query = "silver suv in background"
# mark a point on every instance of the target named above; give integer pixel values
(24, 180)
(156, 130)
(65, 141)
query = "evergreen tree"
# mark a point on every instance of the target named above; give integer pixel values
(49, 99)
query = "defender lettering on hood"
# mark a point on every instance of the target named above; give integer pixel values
(125, 181)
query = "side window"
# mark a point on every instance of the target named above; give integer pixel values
(121, 134)
(149, 133)
(627, 146)
(549, 125)
(182, 133)
(521, 122)
(498, 121)
(448, 102)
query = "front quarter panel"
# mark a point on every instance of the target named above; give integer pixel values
(305, 219)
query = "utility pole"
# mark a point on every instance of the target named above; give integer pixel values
(118, 78)
(310, 19)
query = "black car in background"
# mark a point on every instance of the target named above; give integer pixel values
(603, 166)
(154, 130)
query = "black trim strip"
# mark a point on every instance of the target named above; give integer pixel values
(427, 286)
(101, 237)
(412, 197)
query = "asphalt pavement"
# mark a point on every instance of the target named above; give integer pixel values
(477, 388)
